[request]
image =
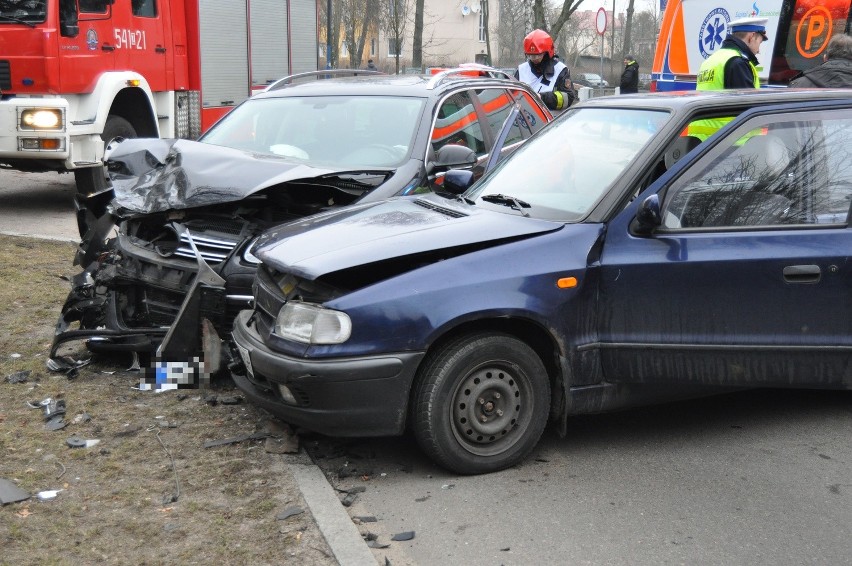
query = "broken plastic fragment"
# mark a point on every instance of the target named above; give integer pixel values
(18, 376)
(235, 439)
(407, 535)
(49, 494)
(56, 423)
(366, 518)
(289, 512)
(11, 493)
(376, 544)
(75, 442)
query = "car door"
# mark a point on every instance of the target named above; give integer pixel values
(747, 279)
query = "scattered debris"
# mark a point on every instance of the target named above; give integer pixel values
(168, 424)
(11, 493)
(366, 518)
(82, 418)
(18, 376)
(448, 486)
(56, 423)
(53, 408)
(507, 549)
(231, 400)
(182, 396)
(236, 439)
(75, 442)
(376, 544)
(211, 400)
(49, 494)
(282, 445)
(351, 494)
(289, 512)
(67, 365)
(422, 499)
(15, 356)
(407, 535)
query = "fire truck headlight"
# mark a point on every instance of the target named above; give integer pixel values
(42, 119)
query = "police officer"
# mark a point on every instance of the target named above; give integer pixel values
(734, 64)
(544, 73)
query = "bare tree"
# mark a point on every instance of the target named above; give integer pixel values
(512, 27)
(357, 17)
(568, 8)
(627, 45)
(394, 19)
(417, 46)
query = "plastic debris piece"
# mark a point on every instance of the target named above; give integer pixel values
(92, 442)
(235, 439)
(54, 408)
(75, 442)
(82, 418)
(507, 549)
(56, 423)
(376, 544)
(289, 512)
(407, 535)
(448, 486)
(15, 356)
(18, 376)
(49, 494)
(11, 493)
(231, 400)
(167, 424)
(134, 366)
(357, 489)
(349, 499)
(366, 518)
(182, 396)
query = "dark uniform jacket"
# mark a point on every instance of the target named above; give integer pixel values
(630, 78)
(738, 73)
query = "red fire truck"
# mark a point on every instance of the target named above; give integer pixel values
(75, 74)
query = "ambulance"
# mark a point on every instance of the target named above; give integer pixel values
(692, 30)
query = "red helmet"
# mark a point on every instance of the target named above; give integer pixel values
(538, 41)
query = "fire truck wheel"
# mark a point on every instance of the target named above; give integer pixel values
(93, 180)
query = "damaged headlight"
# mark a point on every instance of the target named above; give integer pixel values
(312, 324)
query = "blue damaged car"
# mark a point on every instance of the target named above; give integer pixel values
(625, 254)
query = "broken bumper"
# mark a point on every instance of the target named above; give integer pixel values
(354, 396)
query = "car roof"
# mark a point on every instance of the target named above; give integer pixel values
(689, 99)
(423, 86)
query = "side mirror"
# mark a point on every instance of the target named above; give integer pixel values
(451, 156)
(457, 181)
(649, 215)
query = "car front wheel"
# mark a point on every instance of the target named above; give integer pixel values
(481, 403)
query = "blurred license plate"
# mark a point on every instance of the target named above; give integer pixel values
(244, 354)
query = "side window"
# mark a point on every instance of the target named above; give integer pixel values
(144, 8)
(457, 123)
(498, 103)
(93, 6)
(780, 171)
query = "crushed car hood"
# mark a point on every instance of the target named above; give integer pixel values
(153, 175)
(396, 227)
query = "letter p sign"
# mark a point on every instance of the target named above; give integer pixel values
(813, 33)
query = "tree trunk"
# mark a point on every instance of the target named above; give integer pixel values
(417, 48)
(626, 48)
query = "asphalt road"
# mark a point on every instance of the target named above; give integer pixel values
(40, 205)
(759, 477)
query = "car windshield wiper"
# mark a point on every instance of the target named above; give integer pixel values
(16, 20)
(510, 200)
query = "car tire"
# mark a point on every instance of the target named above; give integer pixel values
(92, 180)
(481, 403)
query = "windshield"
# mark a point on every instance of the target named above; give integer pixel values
(562, 172)
(337, 131)
(28, 11)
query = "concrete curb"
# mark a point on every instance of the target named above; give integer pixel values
(334, 522)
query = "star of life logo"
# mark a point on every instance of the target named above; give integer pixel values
(713, 31)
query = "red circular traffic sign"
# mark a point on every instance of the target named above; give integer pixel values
(600, 21)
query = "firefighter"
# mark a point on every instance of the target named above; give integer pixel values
(548, 76)
(734, 64)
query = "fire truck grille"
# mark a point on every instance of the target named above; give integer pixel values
(5, 76)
